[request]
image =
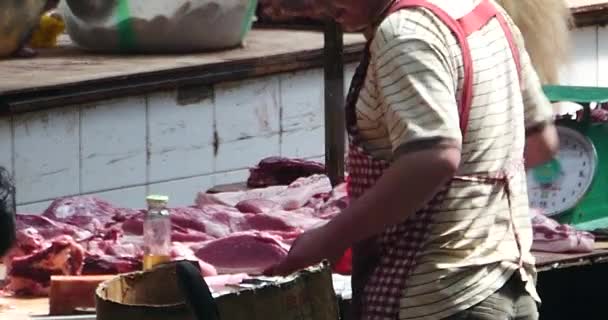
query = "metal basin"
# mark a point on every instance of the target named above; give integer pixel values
(157, 26)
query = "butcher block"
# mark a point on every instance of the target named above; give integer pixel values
(70, 293)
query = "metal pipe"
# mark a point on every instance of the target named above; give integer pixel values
(334, 102)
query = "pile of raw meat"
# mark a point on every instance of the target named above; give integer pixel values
(227, 233)
(290, 11)
(551, 236)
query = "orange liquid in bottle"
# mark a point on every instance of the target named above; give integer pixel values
(150, 261)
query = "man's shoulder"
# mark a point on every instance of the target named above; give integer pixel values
(403, 22)
(419, 21)
(414, 25)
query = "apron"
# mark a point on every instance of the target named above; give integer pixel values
(382, 263)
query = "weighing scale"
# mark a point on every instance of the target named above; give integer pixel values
(572, 188)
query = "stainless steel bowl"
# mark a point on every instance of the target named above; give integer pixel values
(157, 26)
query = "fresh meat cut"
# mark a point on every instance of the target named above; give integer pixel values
(180, 251)
(107, 264)
(550, 236)
(336, 202)
(28, 241)
(299, 192)
(245, 252)
(86, 212)
(274, 171)
(233, 232)
(187, 225)
(301, 219)
(234, 197)
(62, 256)
(294, 196)
(48, 228)
(257, 206)
(211, 222)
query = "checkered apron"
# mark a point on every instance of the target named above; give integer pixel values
(382, 264)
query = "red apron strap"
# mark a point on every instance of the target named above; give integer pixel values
(480, 16)
(467, 91)
(514, 50)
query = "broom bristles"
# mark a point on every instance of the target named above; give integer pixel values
(545, 26)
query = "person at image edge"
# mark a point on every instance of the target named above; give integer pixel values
(7, 212)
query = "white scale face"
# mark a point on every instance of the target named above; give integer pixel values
(559, 185)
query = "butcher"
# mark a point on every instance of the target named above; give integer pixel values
(7, 211)
(444, 114)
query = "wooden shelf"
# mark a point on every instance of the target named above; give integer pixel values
(68, 75)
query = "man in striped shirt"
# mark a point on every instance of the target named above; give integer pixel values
(476, 261)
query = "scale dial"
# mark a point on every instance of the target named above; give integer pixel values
(560, 184)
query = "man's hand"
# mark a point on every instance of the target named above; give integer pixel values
(309, 249)
(541, 145)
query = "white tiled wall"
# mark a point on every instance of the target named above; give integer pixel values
(47, 154)
(180, 139)
(181, 191)
(6, 143)
(247, 121)
(125, 148)
(589, 58)
(302, 114)
(113, 144)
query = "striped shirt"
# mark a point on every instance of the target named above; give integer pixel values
(410, 99)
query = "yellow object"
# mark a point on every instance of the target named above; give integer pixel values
(150, 261)
(45, 36)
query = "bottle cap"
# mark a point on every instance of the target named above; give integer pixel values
(157, 200)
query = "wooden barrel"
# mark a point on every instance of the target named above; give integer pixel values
(155, 295)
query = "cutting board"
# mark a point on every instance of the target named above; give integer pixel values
(21, 309)
(601, 245)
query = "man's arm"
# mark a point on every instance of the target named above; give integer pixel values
(7, 212)
(409, 184)
(542, 142)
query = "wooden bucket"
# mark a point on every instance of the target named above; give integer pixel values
(155, 295)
